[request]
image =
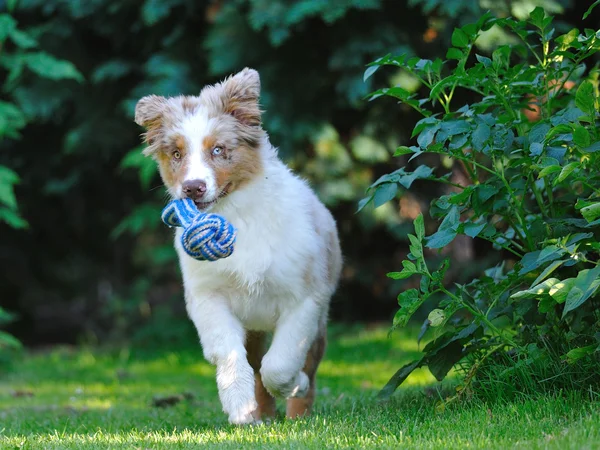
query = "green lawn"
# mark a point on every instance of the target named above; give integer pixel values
(83, 398)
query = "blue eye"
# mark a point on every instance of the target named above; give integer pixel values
(217, 151)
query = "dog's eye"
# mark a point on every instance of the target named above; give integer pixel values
(217, 151)
(176, 154)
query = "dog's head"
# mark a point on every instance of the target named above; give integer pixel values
(206, 146)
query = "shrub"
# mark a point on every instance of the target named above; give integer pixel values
(529, 147)
(19, 53)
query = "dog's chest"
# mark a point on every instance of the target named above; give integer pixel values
(259, 281)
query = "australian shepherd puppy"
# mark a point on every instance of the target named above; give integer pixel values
(286, 263)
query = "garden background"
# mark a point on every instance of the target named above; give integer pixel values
(85, 259)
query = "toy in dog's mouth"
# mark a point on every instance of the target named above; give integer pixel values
(202, 206)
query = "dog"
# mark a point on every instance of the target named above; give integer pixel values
(287, 261)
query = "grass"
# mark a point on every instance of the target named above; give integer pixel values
(82, 398)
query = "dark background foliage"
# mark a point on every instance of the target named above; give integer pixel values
(95, 260)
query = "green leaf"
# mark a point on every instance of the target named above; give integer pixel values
(409, 302)
(447, 231)
(8, 178)
(440, 363)
(473, 229)
(436, 317)
(147, 166)
(591, 212)
(539, 132)
(533, 260)
(426, 136)
(537, 17)
(480, 136)
(403, 150)
(548, 270)
(561, 289)
(112, 69)
(549, 170)
(153, 11)
(419, 225)
(487, 62)
(22, 39)
(454, 53)
(538, 290)
(398, 378)
(589, 11)
(586, 284)
(566, 171)
(10, 217)
(7, 25)
(370, 71)
(415, 247)
(580, 352)
(7, 340)
(546, 304)
(12, 4)
(47, 66)
(460, 38)
(592, 148)
(409, 269)
(421, 172)
(384, 193)
(581, 136)
(584, 98)
(364, 202)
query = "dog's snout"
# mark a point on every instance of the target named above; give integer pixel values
(194, 189)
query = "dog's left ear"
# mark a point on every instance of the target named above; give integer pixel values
(240, 96)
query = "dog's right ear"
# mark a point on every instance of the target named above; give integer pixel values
(149, 111)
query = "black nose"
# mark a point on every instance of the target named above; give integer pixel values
(194, 189)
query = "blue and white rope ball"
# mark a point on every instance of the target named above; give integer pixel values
(205, 237)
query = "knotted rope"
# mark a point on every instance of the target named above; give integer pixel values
(206, 237)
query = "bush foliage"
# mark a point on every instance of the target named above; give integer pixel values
(94, 259)
(528, 146)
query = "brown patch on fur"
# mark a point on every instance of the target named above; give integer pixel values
(189, 104)
(209, 142)
(180, 142)
(298, 407)
(308, 274)
(313, 219)
(333, 257)
(255, 349)
(238, 164)
(247, 166)
(237, 96)
(172, 170)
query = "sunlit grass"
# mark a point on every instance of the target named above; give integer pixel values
(84, 398)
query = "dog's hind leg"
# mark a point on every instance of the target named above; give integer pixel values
(256, 348)
(301, 406)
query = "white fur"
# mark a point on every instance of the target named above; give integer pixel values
(285, 236)
(195, 128)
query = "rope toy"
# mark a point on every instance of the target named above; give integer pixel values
(206, 237)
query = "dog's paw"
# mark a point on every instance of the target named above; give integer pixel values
(244, 419)
(301, 388)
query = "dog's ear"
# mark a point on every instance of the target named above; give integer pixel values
(149, 111)
(239, 96)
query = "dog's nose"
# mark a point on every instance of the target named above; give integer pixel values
(194, 189)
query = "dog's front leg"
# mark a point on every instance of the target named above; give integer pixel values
(281, 368)
(222, 338)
